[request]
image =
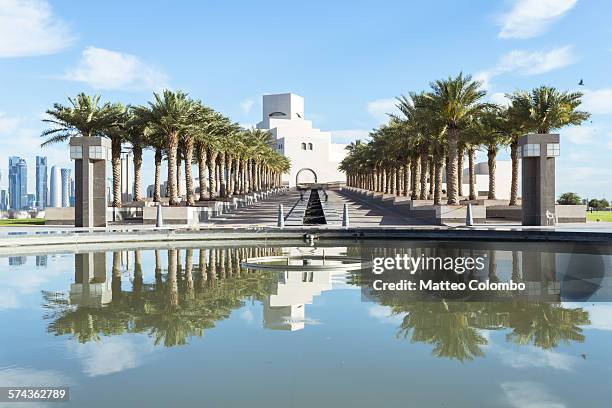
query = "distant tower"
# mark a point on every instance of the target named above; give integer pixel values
(55, 192)
(65, 187)
(18, 183)
(42, 185)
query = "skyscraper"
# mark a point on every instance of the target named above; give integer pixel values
(42, 185)
(55, 191)
(18, 183)
(65, 187)
(3, 200)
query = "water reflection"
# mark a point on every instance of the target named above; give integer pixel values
(190, 290)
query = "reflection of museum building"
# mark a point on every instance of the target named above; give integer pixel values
(314, 158)
(285, 308)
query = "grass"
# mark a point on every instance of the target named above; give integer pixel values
(605, 216)
(26, 221)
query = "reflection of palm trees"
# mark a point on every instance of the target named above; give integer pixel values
(168, 311)
(446, 326)
(546, 324)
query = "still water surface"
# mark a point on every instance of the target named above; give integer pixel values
(190, 327)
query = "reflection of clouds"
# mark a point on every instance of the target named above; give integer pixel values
(529, 356)
(523, 394)
(111, 354)
(600, 314)
(535, 357)
(8, 300)
(247, 316)
(384, 315)
(28, 278)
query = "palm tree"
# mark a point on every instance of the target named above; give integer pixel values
(542, 110)
(136, 133)
(545, 109)
(117, 133)
(82, 117)
(169, 114)
(495, 130)
(455, 102)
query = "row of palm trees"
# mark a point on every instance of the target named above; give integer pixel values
(436, 129)
(231, 160)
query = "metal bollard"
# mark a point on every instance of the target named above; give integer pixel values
(159, 221)
(345, 216)
(469, 219)
(281, 218)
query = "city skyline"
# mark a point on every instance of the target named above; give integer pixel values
(45, 186)
(348, 90)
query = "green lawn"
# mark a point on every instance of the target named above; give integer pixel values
(605, 216)
(27, 221)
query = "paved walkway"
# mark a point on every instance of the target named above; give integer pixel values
(261, 214)
(368, 214)
(361, 213)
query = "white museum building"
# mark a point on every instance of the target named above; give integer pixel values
(314, 158)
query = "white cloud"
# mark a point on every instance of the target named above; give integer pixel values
(247, 105)
(380, 109)
(384, 315)
(111, 354)
(247, 316)
(349, 135)
(530, 18)
(525, 394)
(580, 134)
(23, 377)
(29, 27)
(534, 357)
(106, 69)
(499, 98)
(598, 101)
(529, 63)
(7, 124)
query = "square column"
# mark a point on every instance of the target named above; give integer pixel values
(538, 152)
(90, 155)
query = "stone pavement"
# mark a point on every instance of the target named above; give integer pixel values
(361, 213)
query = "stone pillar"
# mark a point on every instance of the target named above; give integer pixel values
(90, 155)
(538, 152)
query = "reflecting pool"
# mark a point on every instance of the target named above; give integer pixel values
(191, 326)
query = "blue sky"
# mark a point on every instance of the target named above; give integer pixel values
(349, 59)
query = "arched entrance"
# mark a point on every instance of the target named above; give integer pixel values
(305, 176)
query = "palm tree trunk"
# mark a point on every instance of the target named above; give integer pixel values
(201, 155)
(416, 175)
(438, 165)
(172, 141)
(172, 278)
(423, 179)
(222, 179)
(515, 172)
(472, 172)
(460, 154)
(432, 176)
(491, 153)
(188, 176)
(212, 176)
(157, 183)
(116, 164)
(451, 181)
(230, 175)
(406, 179)
(137, 150)
(398, 180)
